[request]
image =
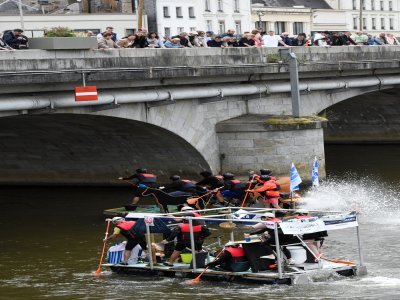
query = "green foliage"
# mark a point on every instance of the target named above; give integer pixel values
(288, 120)
(273, 58)
(60, 32)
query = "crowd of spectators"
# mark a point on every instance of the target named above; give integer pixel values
(108, 39)
(255, 38)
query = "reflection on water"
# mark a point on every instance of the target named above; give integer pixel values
(52, 237)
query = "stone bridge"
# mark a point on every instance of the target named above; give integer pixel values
(173, 110)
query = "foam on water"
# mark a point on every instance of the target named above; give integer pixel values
(369, 197)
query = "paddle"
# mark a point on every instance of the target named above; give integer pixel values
(98, 271)
(197, 279)
(339, 261)
(247, 193)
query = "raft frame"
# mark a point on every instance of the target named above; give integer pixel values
(296, 276)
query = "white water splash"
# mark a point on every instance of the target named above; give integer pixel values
(371, 198)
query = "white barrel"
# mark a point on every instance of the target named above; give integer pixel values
(299, 254)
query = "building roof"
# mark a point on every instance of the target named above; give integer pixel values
(290, 3)
(11, 7)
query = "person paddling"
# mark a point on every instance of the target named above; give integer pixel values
(270, 191)
(231, 255)
(124, 228)
(141, 179)
(182, 233)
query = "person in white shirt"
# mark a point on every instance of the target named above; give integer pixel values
(272, 40)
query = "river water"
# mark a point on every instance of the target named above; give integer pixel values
(51, 239)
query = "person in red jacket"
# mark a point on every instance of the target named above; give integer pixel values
(233, 253)
(270, 191)
(124, 228)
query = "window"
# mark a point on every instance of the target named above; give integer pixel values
(167, 31)
(373, 21)
(238, 27)
(354, 4)
(220, 5)
(221, 27)
(128, 31)
(262, 25)
(279, 27)
(364, 24)
(166, 12)
(354, 23)
(382, 23)
(209, 25)
(363, 4)
(191, 12)
(298, 27)
(179, 12)
(390, 5)
(180, 29)
(192, 28)
(207, 5)
(236, 6)
(391, 26)
(382, 6)
(372, 4)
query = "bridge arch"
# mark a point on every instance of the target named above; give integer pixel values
(83, 149)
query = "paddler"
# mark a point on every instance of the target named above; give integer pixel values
(142, 179)
(231, 255)
(269, 190)
(123, 228)
(182, 233)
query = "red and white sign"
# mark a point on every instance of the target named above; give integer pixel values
(149, 220)
(86, 93)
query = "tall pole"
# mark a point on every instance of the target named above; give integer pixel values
(140, 14)
(361, 15)
(21, 14)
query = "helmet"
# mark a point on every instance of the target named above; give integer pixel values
(265, 177)
(268, 215)
(205, 174)
(186, 208)
(117, 220)
(302, 211)
(141, 170)
(265, 172)
(231, 244)
(175, 177)
(228, 176)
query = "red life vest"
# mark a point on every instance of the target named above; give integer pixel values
(185, 232)
(219, 177)
(237, 253)
(303, 217)
(236, 185)
(146, 178)
(125, 227)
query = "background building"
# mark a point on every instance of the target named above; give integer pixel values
(175, 16)
(293, 16)
(377, 16)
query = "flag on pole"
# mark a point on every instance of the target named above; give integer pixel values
(295, 179)
(314, 173)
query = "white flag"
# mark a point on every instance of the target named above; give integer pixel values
(314, 173)
(295, 179)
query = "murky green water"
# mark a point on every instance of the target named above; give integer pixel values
(51, 240)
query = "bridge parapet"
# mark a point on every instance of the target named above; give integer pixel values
(158, 67)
